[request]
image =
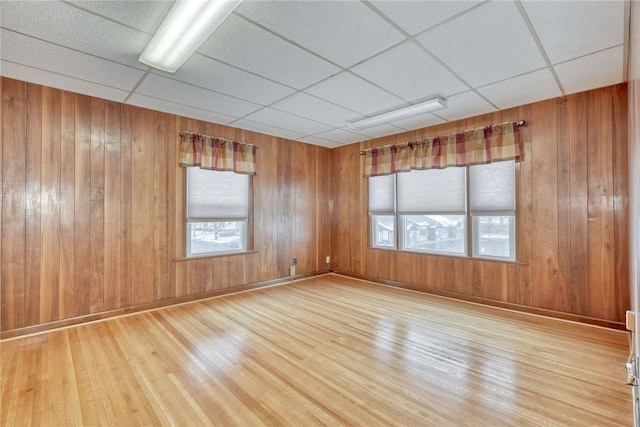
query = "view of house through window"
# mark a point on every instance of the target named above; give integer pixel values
(464, 211)
(211, 237)
(218, 205)
(434, 233)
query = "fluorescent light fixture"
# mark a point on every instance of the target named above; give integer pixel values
(399, 114)
(187, 25)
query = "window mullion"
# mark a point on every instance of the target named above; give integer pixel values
(470, 228)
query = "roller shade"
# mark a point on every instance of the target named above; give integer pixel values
(227, 199)
(433, 190)
(492, 188)
(382, 194)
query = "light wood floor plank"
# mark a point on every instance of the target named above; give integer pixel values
(325, 351)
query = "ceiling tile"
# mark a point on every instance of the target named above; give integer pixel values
(143, 15)
(378, 131)
(240, 43)
(555, 23)
(266, 129)
(36, 53)
(592, 71)
(344, 32)
(523, 89)
(182, 110)
(355, 94)
(342, 136)
(488, 44)
(68, 26)
(320, 141)
(417, 122)
(415, 16)
(411, 74)
(211, 74)
(287, 121)
(316, 109)
(467, 104)
(178, 92)
(58, 81)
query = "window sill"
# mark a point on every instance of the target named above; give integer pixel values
(470, 258)
(207, 256)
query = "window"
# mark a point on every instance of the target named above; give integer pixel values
(492, 207)
(382, 208)
(463, 211)
(218, 208)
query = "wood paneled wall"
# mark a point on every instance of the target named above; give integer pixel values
(572, 219)
(92, 216)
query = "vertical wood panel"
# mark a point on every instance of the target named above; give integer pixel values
(112, 207)
(563, 133)
(577, 200)
(97, 205)
(50, 204)
(281, 215)
(303, 201)
(142, 205)
(181, 287)
(524, 210)
(126, 184)
(601, 301)
(172, 140)
(265, 201)
(67, 202)
(621, 181)
(545, 204)
(82, 214)
(13, 205)
(34, 200)
(324, 224)
(160, 196)
(579, 236)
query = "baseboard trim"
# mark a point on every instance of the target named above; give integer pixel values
(485, 301)
(125, 311)
(90, 318)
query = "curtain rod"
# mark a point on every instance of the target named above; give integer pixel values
(216, 137)
(519, 123)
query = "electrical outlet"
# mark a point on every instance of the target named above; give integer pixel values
(295, 260)
(292, 270)
(328, 260)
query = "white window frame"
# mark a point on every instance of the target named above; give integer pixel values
(475, 229)
(245, 224)
(471, 227)
(390, 210)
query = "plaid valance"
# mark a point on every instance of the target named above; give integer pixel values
(217, 154)
(477, 146)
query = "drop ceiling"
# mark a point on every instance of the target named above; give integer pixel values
(302, 70)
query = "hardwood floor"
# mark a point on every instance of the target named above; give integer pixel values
(325, 351)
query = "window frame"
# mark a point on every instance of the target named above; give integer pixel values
(512, 237)
(246, 241)
(471, 226)
(401, 236)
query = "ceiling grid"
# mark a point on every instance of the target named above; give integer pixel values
(303, 70)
